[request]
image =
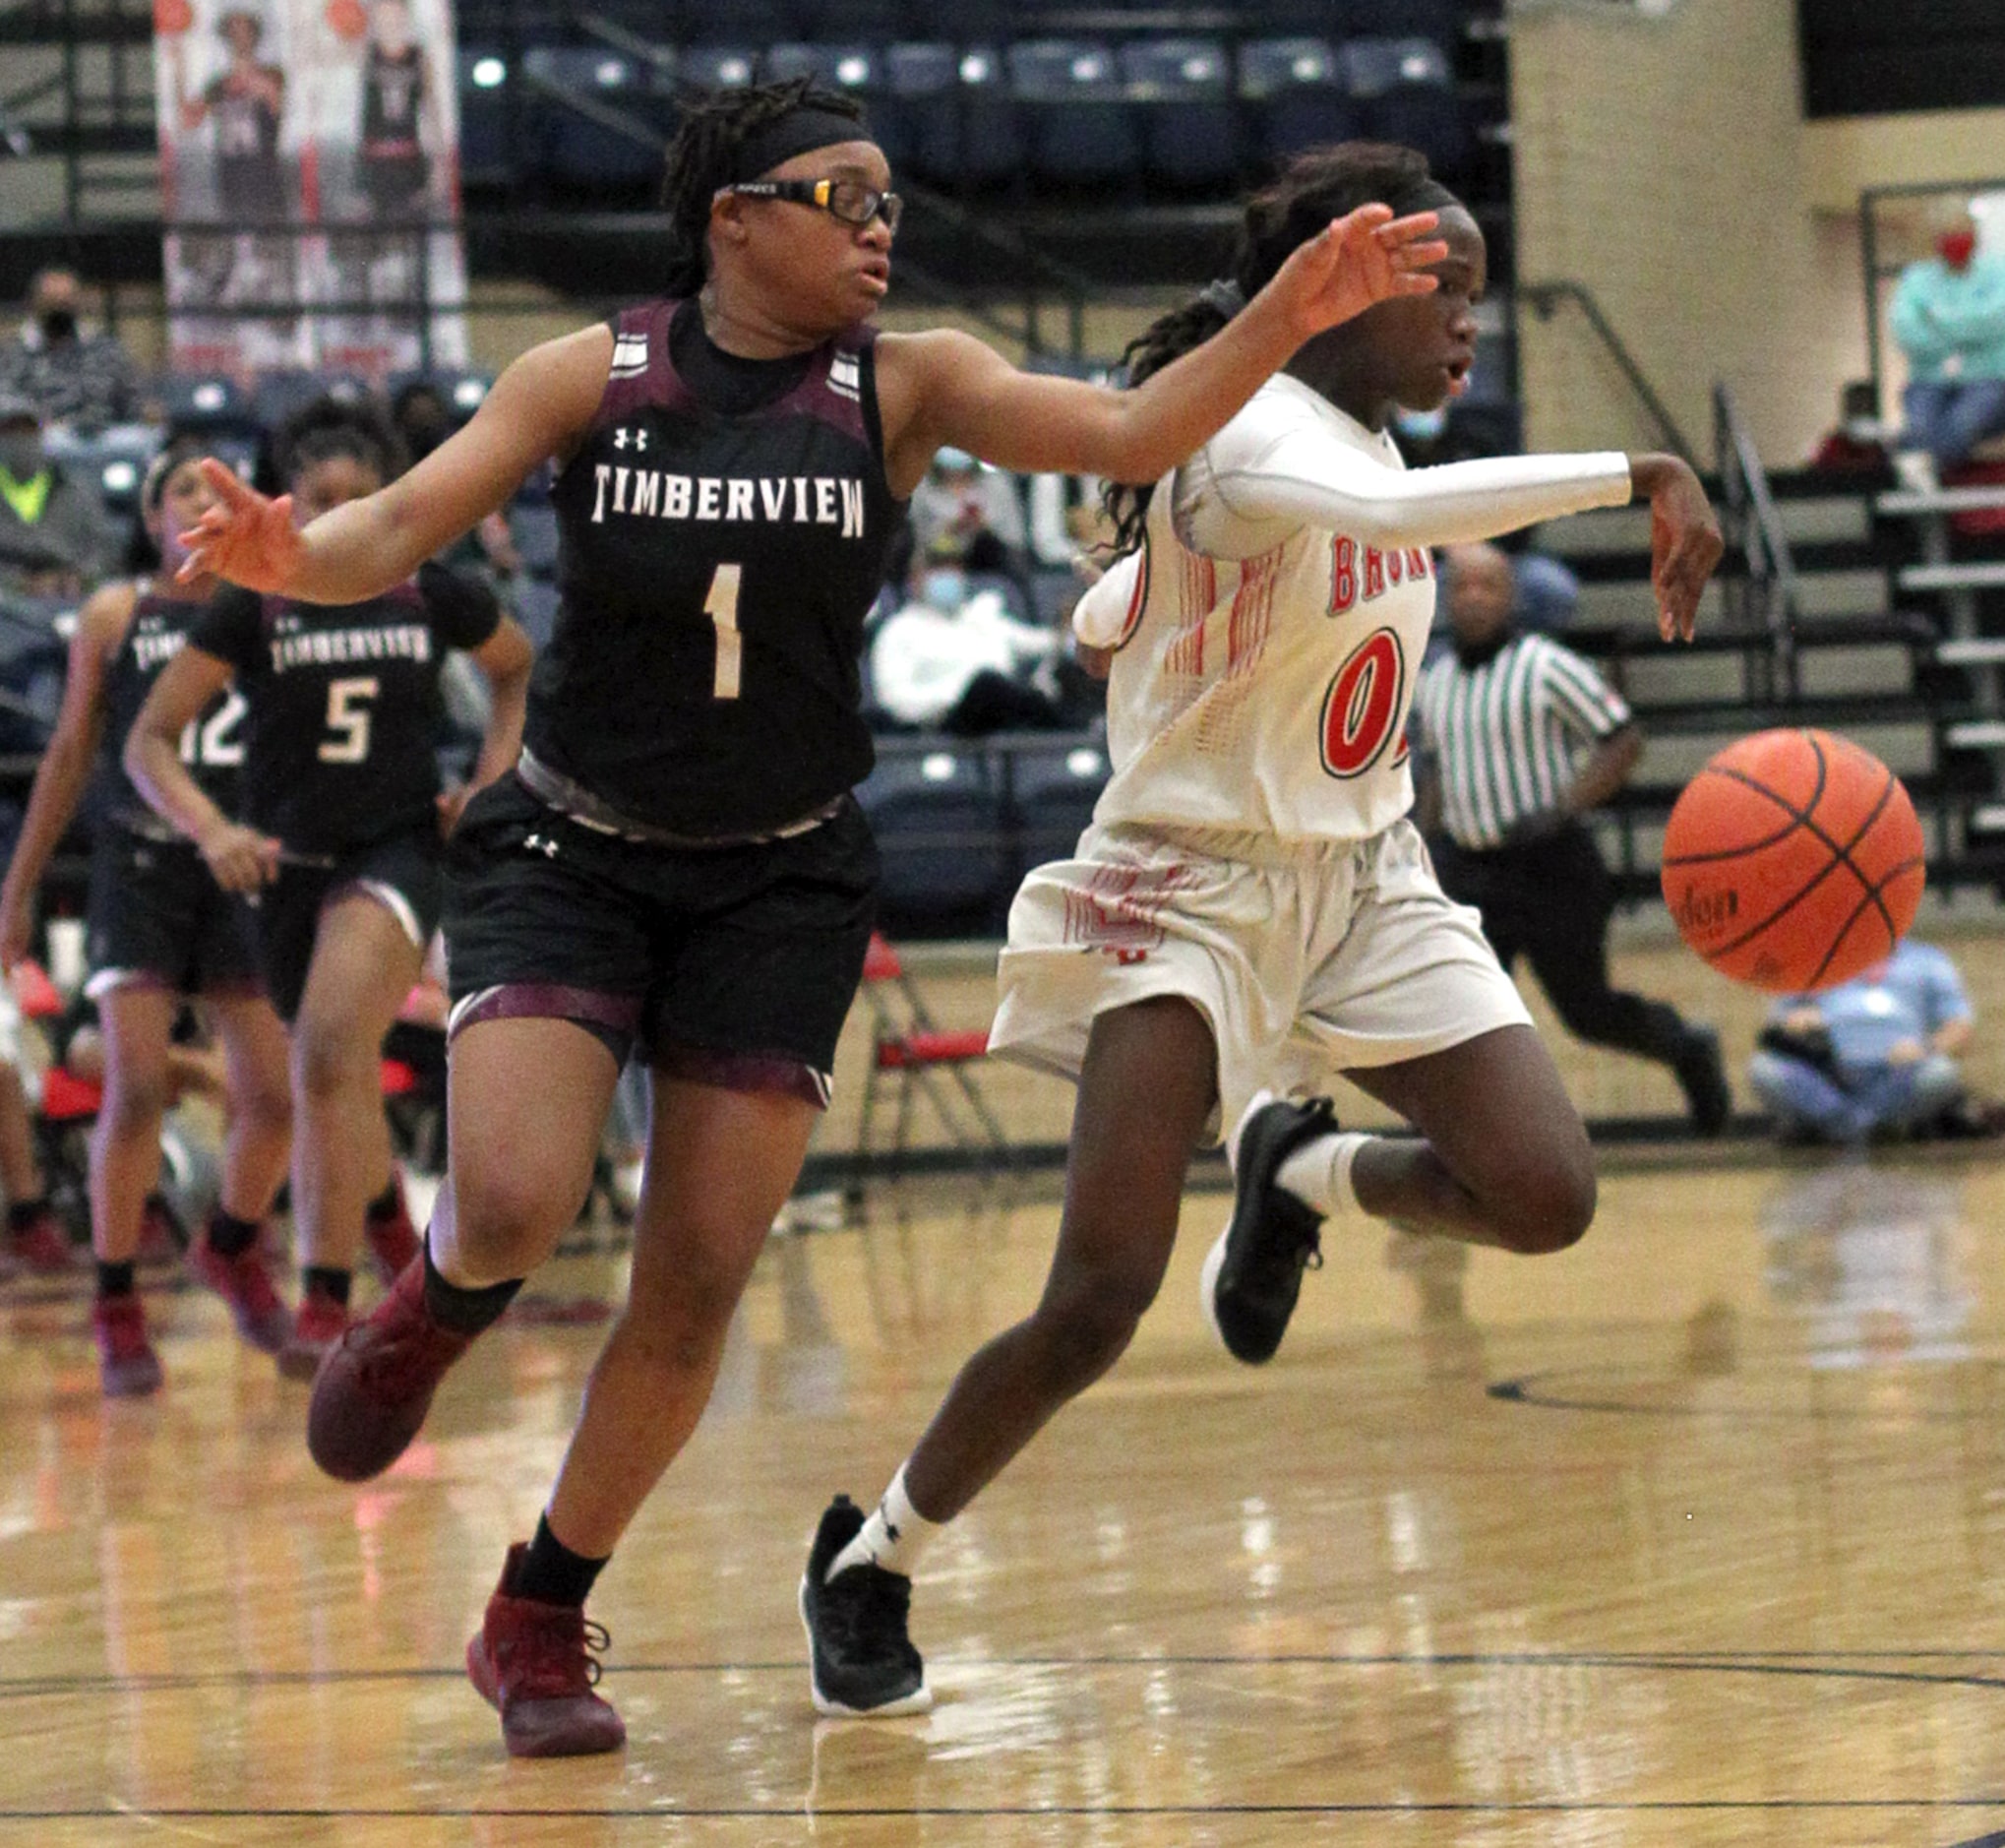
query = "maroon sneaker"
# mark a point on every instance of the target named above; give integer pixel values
(126, 1365)
(392, 1242)
(373, 1393)
(319, 1325)
(41, 1243)
(243, 1281)
(536, 1664)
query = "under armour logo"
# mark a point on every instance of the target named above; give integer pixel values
(541, 844)
(623, 436)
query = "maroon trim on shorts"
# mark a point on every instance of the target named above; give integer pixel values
(778, 1072)
(592, 1009)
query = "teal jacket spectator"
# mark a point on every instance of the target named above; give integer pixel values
(1950, 321)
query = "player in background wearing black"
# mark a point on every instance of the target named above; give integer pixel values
(679, 859)
(343, 832)
(159, 930)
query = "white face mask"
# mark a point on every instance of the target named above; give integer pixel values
(1422, 426)
(944, 589)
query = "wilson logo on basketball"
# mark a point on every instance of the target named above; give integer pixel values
(1698, 910)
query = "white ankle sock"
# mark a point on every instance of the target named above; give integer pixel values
(893, 1535)
(1318, 1173)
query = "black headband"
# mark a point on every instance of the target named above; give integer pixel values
(798, 132)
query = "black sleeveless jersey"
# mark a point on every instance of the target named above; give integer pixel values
(392, 92)
(344, 715)
(716, 567)
(211, 747)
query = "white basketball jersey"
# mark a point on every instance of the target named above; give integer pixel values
(1267, 692)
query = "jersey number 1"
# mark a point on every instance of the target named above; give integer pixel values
(721, 608)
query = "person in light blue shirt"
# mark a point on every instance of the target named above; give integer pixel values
(1874, 1056)
(1947, 315)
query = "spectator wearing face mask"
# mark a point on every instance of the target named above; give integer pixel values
(965, 511)
(55, 539)
(71, 375)
(953, 657)
(1949, 317)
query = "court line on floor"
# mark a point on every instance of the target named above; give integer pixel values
(1815, 1665)
(664, 1812)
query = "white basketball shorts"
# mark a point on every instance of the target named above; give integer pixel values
(1307, 960)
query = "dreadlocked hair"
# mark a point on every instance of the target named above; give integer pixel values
(1313, 188)
(704, 158)
(358, 429)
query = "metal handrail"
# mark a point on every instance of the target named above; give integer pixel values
(1544, 300)
(1770, 596)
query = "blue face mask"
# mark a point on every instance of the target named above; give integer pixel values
(944, 589)
(1421, 426)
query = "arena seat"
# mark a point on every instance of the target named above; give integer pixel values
(851, 65)
(1076, 121)
(1053, 788)
(1297, 95)
(207, 402)
(937, 816)
(1190, 126)
(1405, 91)
(574, 150)
(953, 112)
(717, 66)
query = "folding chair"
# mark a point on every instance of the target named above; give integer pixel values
(906, 1040)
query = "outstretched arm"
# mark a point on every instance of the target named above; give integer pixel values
(1270, 474)
(948, 388)
(538, 408)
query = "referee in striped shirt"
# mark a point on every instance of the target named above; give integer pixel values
(1521, 738)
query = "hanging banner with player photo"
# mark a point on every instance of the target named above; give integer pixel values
(309, 171)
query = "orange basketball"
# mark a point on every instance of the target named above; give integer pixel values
(171, 17)
(1793, 861)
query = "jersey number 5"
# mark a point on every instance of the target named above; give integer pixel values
(721, 608)
(1362, 705)
(347, 740)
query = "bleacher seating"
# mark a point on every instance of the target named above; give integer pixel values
(1003, 95)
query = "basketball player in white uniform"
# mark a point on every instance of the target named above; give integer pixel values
(1250, 914)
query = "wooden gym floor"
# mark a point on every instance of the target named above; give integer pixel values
(1694, 1535)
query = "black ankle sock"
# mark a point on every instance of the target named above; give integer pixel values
(465, 1312)
(551, 1573)
(387, 1204)
(228, 1235)
(21, 1213)
(115, 1279)
(329, 1280)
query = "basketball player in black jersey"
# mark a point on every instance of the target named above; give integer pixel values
(245, 104)
(398, 108)
(160, 929)
(343, 832)
(678, 861)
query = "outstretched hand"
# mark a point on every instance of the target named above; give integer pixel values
(1355, 263)
(1684, 540)
(244, 538)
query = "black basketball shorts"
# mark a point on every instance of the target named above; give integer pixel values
(402, 872)
(730, 965)
(156, 915)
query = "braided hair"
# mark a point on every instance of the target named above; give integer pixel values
(704, 158)
(358, 429)
(1313, 188)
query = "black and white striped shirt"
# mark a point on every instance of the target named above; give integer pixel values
(1507, 737)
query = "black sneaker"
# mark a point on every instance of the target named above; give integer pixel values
(1702, 1076)
(1253, 1273)
(862, 1660)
